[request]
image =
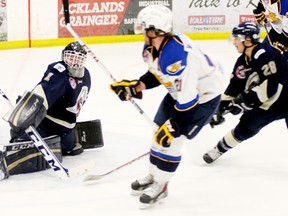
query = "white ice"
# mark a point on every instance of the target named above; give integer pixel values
(250, 180)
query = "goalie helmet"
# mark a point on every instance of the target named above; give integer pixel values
(156, 18)
(247, 30)
(74, 56)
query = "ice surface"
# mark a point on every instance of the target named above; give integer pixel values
(250, 180)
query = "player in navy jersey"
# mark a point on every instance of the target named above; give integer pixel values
(64, 88)
(258, 89)
(194, 85)
(278, 14)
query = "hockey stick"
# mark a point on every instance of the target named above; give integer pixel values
(5, 97)
(267, 34)
(98, 177)
(88, 50)
(47, 153)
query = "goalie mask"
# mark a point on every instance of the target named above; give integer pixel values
(156, 18)
(74, 56)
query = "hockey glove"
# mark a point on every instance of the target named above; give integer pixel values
(168, 131)
(217, 119)
(280, 47)
(29, 111)
(126, 89)
(260, 15)
(261, 18)
(225, 107)
(239, 105)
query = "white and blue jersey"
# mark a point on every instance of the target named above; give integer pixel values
(194, 84)
(277, 11)
(190, 76)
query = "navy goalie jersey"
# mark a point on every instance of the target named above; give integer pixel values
(63, 95)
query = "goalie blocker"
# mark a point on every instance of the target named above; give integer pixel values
(89, 134)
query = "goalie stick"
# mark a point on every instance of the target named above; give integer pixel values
(88, 50)
(49, 156)
(98, 177)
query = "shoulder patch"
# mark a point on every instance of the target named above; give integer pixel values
(258, 53)
(59, 67)
(175, 67)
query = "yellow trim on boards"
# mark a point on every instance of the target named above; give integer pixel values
(105, 40)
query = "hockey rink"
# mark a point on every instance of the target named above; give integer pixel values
(250, 180)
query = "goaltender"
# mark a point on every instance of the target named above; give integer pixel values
(52, 108)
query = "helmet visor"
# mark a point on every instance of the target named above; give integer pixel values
(241, 37)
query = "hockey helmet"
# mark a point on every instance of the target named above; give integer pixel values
(247, 30)
(74, 56)
(156, 18)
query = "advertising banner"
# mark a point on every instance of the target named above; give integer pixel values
(204, 16)
(103, 17)
(3, 21)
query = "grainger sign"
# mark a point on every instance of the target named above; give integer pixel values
(103, 17)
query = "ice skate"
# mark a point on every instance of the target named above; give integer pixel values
(153, 194)
(212, 155)
(78, 149)
(140, 185)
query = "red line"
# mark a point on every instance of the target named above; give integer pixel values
(29, 23)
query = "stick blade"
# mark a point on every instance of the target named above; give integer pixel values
(81, 169)
(92, 178)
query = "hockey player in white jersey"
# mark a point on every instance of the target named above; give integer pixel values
(194, 85)
(278, 15)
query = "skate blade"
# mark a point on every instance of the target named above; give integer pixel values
(160, 201)
(136, 193)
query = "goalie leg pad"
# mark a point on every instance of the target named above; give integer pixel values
(89, 134)
(23, 157)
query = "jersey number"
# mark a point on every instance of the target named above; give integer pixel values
(269, 69)
(178, 84)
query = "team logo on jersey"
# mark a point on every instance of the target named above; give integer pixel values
(82, 97)
(72, 82)
(241, 72)
(175, 67)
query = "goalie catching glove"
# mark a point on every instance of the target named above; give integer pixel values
(168, 131)
(126, 89)
(29, 111)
